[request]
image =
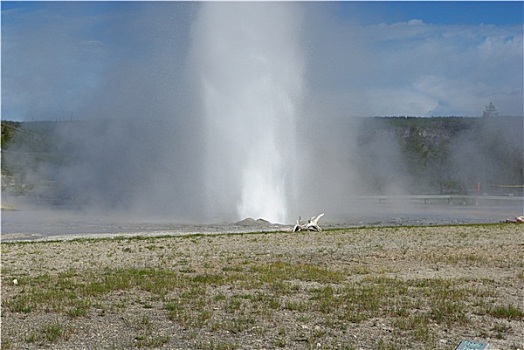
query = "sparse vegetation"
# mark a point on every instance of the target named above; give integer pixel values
(509, 312)
(228, 292)
(48, 333)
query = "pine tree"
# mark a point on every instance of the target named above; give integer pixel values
(490, 111)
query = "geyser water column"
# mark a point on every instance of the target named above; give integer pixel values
(249, 69)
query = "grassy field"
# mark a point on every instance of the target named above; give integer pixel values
(363, 288)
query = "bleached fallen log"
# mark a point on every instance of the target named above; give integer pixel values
(312, 224)
(517, 220)
(299, 226)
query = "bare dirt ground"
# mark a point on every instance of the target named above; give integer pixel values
(360, 288)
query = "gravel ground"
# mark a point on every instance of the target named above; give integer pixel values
(264, 290)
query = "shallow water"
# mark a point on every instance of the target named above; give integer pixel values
(35, 223)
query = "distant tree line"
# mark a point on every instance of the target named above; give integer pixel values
(462, 155)
(439, 155)
(9, 128)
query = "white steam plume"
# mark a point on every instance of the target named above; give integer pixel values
(250, 67)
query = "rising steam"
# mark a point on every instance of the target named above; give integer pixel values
(249, 67)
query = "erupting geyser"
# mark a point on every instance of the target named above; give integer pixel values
(249, 68)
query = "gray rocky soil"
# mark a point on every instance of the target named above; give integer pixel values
(361, 288)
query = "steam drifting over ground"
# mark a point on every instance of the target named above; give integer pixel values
(211, 112)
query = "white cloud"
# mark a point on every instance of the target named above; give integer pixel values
(414, 68)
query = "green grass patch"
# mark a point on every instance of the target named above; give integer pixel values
(508, 311)
(49, 333)
(284, 271)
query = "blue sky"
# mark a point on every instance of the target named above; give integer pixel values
(432, 12)
(362, 58)
(438, 12)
